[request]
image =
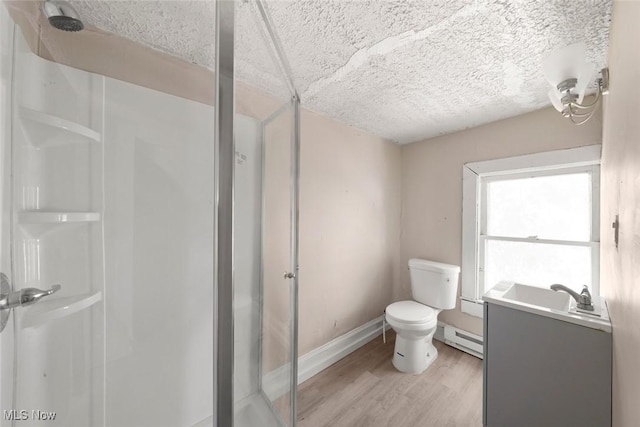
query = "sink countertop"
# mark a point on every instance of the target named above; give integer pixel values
(496, 296)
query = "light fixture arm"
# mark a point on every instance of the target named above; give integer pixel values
(579, 113)
(591, 105)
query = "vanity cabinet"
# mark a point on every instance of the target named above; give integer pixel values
(541, 371)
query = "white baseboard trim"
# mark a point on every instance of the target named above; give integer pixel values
(324, 356)
(278, 381)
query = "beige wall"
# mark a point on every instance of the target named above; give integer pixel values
(349, 228)
(349, 223)
(432, 185)
(621, 196)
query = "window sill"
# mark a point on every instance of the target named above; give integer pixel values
(472, 308)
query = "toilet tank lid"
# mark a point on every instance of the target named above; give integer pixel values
(424, 264)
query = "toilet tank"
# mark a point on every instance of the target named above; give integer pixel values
(434, 283)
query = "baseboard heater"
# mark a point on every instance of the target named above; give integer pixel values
(462, 340)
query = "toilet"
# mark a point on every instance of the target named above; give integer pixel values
(434, 288)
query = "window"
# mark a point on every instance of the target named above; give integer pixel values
(531, 219)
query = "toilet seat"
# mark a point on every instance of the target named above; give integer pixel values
(410, 312)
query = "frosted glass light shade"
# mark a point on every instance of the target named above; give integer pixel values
(554, 96)
(564, 63)
(586, 74)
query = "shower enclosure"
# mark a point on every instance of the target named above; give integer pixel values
(154, 201)
(262, 278)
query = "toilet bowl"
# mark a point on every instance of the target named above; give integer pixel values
(434, 287)
(415, 325)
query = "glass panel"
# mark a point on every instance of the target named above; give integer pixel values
(550, 207)
(248, 256)
(263, 301)
(262, 296)
(537, 264)
(277, 302)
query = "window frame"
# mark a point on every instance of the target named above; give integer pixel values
(475, 177)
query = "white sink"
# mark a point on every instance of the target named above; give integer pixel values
(538, 296)
(549, 303)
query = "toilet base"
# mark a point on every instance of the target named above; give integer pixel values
(414, 356)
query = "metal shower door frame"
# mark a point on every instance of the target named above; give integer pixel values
(224, 152)
(224, 161)
(292, 106)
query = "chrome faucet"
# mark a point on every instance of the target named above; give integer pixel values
(25, 297)
(583, 298)
(21, 298)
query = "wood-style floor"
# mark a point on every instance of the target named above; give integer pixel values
(364, 389)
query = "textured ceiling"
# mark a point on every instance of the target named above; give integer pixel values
(404, 70)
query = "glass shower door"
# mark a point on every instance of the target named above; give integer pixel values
(265, 288)
(265, 224)
(263, 282)
(279, 266)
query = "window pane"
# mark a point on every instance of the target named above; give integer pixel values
(537, 264)
(550, 207)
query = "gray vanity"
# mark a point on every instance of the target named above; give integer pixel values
(545, 363)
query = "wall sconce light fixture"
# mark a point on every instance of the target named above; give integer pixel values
(569, 74)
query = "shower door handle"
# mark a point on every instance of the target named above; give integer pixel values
(289, 275)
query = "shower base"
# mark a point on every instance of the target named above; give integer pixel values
(252, 411)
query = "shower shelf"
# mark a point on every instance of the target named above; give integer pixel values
(37, 217)
(41, 135)
(48, 310)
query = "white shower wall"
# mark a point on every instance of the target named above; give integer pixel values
(56, 237)
(158, 221)
(114, 188)
(143, 354)
(159, 257)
